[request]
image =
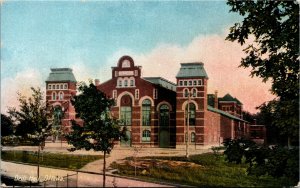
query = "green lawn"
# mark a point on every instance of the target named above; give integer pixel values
(68, 161)
(207, 170)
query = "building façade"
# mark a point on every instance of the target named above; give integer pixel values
(157, 112)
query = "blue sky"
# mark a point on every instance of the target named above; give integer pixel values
(39, 35)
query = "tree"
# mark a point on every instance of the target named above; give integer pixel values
(32, 119)
(99, 129)
(274, 54)
(6, 126)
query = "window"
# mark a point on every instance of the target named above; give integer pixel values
(192, 114)
(65, 86)
(54, 96)
(146, 112)
(194, 92)
(180, 82)
(190, 82)
(126, 115)
(164, 115)
(199, 82)
(154, 93)
(193, 136)
(185, 83)
(114, 94)
(137, 94)
(195, 82)
(57, 86)
(126, 83)
(61, 86)
(61, 95)
(120, 83)
(131, 82)
(49, 86)
(146, 136)
(186, 92)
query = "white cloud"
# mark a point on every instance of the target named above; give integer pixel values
(20, 83)
(221, 60)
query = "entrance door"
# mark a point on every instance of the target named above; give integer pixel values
(164, 123)
(128, 142)
(164, 139)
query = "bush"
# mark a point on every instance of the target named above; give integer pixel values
(235, 149)
(275, 161)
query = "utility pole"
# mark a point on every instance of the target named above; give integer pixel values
(187, 127)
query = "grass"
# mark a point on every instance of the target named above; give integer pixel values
(68, 161)
(212, 171)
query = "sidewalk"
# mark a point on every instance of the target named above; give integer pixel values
(25, 172)
(92, 180)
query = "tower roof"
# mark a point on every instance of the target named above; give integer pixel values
(61, 75)
(188, 70)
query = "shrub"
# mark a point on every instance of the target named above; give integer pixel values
(235, 149)
(275, 161)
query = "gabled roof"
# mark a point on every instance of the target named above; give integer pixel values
(229, 98)
(162, 82)
(210, 108)
(61, 75)
(188, 70)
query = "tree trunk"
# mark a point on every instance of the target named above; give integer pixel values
(38, 169)
(104, 168)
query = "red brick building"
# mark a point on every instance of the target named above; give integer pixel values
(159, 113)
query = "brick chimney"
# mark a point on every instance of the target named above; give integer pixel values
(97, 82)
(216, 100)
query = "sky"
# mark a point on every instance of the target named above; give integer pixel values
(90, 37)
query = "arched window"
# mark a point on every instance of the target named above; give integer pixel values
(120, 82)
(54, 96)
(164, 115)
(61, 95)
(193, 136)
(125, 115)
(65, 86)
(194, 92)
(61, 86)
(132, 82)
(125, 83)
(185, 92)
(146, 112)
(57, 86)
(49, 86)
(146, 137)
(192, 114)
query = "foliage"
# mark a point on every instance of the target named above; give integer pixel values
(50, 159)
(235, 149)
(6, 126)
(274, 161)
(209, 172)
(274, 53)
(31, 118)
(100, 129)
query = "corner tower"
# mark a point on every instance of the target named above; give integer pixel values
(60, 87)
(191, 97)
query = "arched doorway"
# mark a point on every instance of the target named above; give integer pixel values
(126, 117)
(164, 129)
